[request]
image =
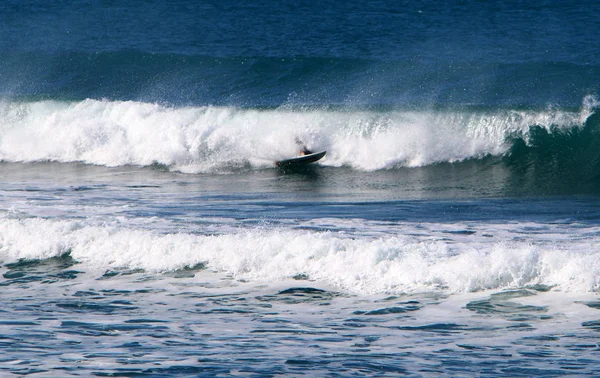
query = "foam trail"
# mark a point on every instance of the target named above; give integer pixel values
(222, 139)
(391, 264)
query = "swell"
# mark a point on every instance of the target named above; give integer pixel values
(252, 81)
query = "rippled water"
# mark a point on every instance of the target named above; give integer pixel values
(90, 284)
(189, 322)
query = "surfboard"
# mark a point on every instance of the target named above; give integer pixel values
(300, 161)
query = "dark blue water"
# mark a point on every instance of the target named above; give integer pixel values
(452, 229)
(273, 53)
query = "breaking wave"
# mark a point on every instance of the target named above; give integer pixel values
(224, 139)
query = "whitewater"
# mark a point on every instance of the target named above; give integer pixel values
(391, 263)
(221, 139)
(182, 274)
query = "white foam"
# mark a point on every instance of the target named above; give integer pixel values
(213, 139)
(385, 264)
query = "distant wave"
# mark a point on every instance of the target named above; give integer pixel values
(226, 139)
(179, 79)
(391, 264)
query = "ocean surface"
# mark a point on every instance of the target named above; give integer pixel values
(452, 229)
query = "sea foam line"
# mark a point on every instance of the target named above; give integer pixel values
(390, 264)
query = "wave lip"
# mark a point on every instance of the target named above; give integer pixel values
(221, 139)
(391, 264)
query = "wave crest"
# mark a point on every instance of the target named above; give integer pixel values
(218, 139)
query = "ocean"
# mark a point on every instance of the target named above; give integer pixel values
(452, 229)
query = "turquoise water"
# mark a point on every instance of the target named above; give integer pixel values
(452, 228)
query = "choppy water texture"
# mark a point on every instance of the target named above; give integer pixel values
(452, 228)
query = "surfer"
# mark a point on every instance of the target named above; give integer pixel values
(303, 149)
(306, 156)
